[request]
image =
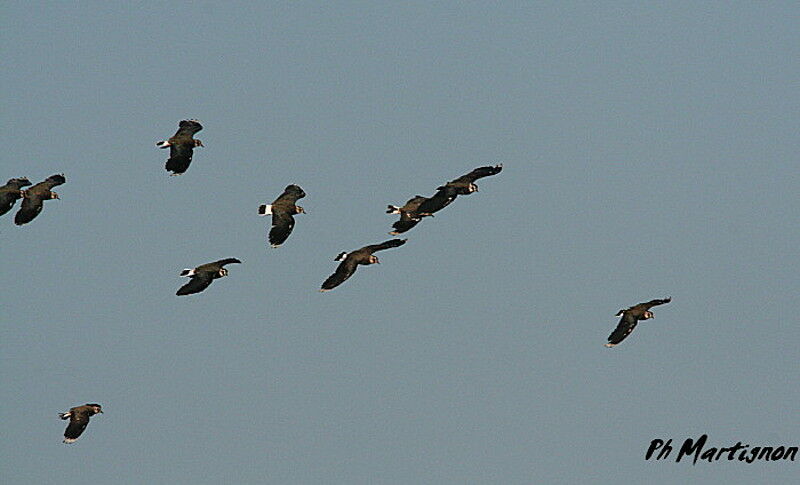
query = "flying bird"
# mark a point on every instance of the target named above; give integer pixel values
(409, 215)
(10, 192)
(465, 184)
(630, 317)
(34, 197)
(203, 275)
(282, 210)
(350, 261)
(441, 199)
(78, 420)
(181, 146)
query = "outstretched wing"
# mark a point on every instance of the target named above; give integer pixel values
(441, 199)
(77, 423)
(405, 223)
(197, 283)
(392, 243)
(188, 128)
(624, 328)
(479, 172)
(223, 262)
(31, 206)
(653, 303)
(180, 156)
(345, 270)
(7, 200)
(290, 195)
(282, 225)
(52, 181)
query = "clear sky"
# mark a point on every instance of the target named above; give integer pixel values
(650, 150)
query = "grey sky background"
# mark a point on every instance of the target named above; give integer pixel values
(649, 151)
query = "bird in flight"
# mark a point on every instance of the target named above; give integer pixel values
(78, 420)
(283, 209)
(465, 184)
(630, 317)
(202, 276)
(10, 192)
(350, 261)
(409, 217)
(181, 146)
(34, 197)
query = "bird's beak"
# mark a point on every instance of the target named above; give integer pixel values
(55, 196)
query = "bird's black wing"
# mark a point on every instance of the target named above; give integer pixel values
(479, 172)
(441, 199)
(282, 225)
(77, 423)
(53, 180)
(180, 157)
(7, 199)
(32, 205)
(624, 328)
(223, 262)
(188, 128)
(653, 303)
(391, 243)
(197, 283)
(406, 223)
(290, 195)
(345, 270)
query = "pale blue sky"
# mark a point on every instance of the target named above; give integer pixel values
(650, 150)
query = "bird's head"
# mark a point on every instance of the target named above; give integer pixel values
(300, 210)
(223, 272)
(373, 259)
(198, 143)
(648, 315)
(472, 188)
(96, 409)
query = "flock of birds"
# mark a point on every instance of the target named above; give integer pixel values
(283, 209)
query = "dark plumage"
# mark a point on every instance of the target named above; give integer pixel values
(203, 275)
(630, 317)
(78, 420)
(10, 192)
(465, 184)
(409, 217)
(33, 199)
(181, 146)
(282, 210)
(350, 261)
(441, 199)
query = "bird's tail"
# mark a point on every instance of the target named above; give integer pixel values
(392, 209)
(162, 144)
(187, 272)
(264, 209)
(64, 415)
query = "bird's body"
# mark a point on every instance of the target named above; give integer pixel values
(438, 201)
(282, 210)
(630, 317)
(10, 192)
(78, 420)
(202, 276)
(409, 216)
(181, 146)
(34, 197)
(350, 261)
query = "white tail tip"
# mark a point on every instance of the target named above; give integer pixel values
(187, 272)
(69, 440)
(162, 144)
(265, 209)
